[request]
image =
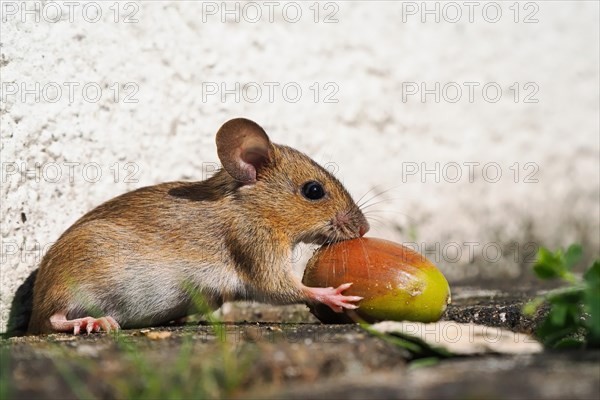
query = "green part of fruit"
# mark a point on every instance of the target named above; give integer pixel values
(424, 299)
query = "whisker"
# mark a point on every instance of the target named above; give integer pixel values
(375, 195)
(377, 224)
(370, 198)
(379, 194)
(360, 205)
(374, 204)
(382, 214)
(384, 200)
(376, 219)
(366, 193)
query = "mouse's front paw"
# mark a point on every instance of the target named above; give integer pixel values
(333, 297)
(61, 324)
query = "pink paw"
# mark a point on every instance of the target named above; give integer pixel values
(60, 323)
(334, 297)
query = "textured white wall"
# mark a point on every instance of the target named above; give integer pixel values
(370, 56)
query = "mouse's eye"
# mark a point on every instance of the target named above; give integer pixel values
(313, 190)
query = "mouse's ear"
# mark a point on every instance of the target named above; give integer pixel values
(243, 148)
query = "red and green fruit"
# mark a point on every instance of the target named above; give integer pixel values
(396, 282)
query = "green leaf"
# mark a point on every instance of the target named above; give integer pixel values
(415, 345)
(592, 307)
(532, 306)
(550, 334)
(423, 362)
(573, 318)
(592, 275)
(558, 314)
(549, 265)
(569, 343)
(592, 303)
(573, 255)
(563, 320)
(568, 295)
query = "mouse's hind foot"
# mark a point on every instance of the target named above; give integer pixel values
(60, 323)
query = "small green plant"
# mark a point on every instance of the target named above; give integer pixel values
(215, 371)
(5, 388)
(573, 318)
(212, 374)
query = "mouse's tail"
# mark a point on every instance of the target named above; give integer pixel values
(21, 307)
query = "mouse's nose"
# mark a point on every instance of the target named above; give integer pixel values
(363, 229)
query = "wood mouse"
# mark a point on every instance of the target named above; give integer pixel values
(130, 262)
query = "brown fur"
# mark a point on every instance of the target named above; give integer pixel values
(132, 256)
